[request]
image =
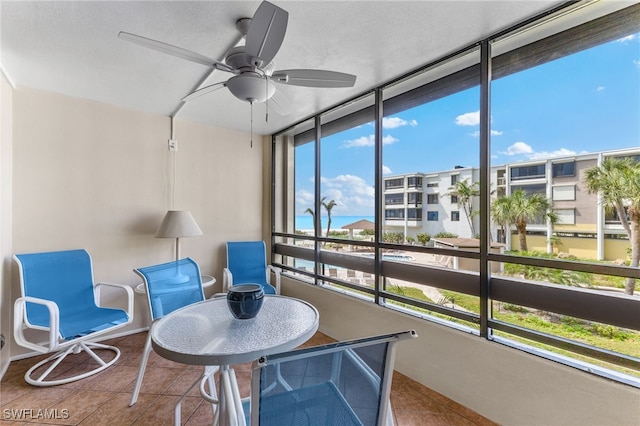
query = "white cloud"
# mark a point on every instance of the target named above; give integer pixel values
(367, 141)
(557, 153)
(388, 140)
(600, 89)
(393, 122)
(626, 39)
(521, 148)
(386, 170)
(518, 148)
(361, 141)
(304, 198)
(351, 193)
(468, 119)
(637, 63)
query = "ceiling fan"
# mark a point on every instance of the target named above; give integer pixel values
(252, 66)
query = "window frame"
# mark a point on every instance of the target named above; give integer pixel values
(565, 301)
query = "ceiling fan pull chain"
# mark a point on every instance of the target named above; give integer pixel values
(251, 127)
(266, 87)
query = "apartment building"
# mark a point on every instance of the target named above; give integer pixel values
(426, 203)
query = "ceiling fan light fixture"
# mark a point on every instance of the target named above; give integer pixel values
(251, 87)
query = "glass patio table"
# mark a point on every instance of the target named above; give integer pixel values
(206, 333)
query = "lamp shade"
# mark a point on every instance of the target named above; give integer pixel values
(178, 224)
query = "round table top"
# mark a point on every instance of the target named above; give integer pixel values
(206, 333)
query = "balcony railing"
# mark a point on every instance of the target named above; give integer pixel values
(561, 300)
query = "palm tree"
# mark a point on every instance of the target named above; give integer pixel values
(618, 182)
(520, 208)
(330, 205)
(313, 217)
(501, 215)
(466, 192)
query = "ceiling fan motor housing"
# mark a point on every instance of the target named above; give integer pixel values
(251, 87)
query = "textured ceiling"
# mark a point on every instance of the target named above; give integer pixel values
(72, 48)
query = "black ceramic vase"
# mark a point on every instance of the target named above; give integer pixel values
(245, 300)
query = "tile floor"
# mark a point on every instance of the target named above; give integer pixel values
(103, 399)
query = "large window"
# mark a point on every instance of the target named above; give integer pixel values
(564, 169)
(390, 199)
(414, 182)
(415, 198)
(514, 150)
(394, 183)
(527, 172)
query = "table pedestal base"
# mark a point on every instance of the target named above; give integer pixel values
(230, 407)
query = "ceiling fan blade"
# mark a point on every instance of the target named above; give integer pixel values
(282, 103)
(207, 89)
(266, 33)
(173, 51)
(314, 78)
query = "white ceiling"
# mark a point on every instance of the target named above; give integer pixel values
(72, 48)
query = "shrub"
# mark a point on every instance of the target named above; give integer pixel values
(611, 332)
(423, 238)
(393, 237)
(445, 235)
(339, 234)
(513, 308)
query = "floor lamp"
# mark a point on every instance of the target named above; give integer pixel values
(178, 224)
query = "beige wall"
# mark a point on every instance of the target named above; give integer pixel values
(90, 175)
(6, 138)
(503, 384)
(616, 249)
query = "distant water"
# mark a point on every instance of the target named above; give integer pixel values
(305, 222)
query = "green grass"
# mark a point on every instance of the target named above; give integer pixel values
(561, 276)
(602, 336)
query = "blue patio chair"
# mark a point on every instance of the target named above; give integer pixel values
(247, 263)
(60, 298)
(343, 383)
(170, 286)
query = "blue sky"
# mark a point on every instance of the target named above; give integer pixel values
(586, 102)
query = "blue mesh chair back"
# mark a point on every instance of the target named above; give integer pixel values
(66, 278)
(344, 383)
(172, 285)
(247, 261)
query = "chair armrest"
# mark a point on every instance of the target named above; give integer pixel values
(227, 280)
(126, 289)
(20, 320)
(276, 272)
